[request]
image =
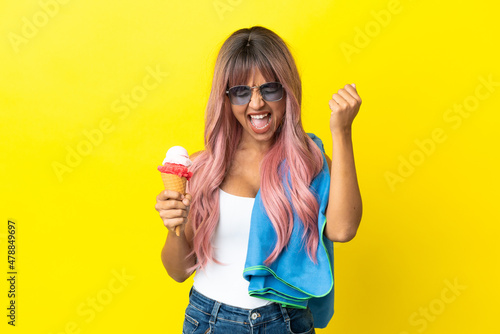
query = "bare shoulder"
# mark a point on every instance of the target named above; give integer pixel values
(194, 155)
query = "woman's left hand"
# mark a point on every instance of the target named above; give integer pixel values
(345, 106)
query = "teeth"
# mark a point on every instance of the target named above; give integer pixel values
(252, 117)
(259, 116)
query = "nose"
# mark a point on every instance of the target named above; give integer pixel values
(256, 102)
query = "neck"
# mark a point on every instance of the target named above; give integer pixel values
(251, 144)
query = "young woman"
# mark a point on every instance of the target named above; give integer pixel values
(260, 214)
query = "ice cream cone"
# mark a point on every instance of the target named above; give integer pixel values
(174, 182)
(175, 172)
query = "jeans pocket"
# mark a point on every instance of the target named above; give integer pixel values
(301, 321)
(190, 325)
(196, 321)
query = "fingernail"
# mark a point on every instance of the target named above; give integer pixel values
(354, 85)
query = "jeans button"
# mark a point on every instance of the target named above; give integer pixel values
(254, 316)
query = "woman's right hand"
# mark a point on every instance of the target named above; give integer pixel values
(173, 208)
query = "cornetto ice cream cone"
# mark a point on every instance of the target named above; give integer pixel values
(174, 172)
(174, 182)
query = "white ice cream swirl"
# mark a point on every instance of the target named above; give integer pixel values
(178, 155)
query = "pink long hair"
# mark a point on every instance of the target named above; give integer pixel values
(293, 151)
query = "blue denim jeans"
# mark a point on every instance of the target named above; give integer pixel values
(207, 316)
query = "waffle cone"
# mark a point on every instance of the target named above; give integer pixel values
(174, 182)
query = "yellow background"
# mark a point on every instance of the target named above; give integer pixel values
(67, 68)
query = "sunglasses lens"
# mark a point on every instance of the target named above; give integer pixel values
(240, 95)
(272, 91)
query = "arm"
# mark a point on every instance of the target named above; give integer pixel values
(344, 211)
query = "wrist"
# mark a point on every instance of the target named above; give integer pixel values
(341, 133)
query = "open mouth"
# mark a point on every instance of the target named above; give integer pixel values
(260, 122)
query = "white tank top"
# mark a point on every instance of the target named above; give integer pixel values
(224, 282)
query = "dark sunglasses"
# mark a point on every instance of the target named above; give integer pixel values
(240, 95)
